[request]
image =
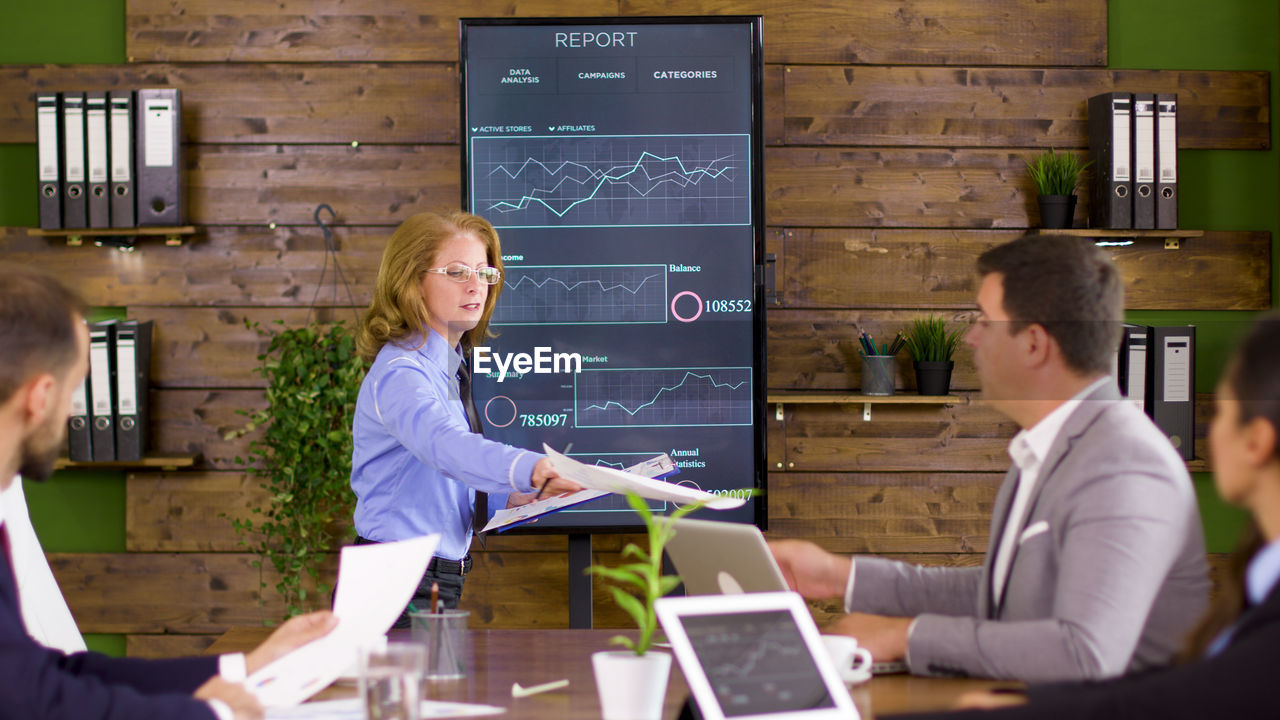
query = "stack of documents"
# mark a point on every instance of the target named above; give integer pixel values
(600, 481)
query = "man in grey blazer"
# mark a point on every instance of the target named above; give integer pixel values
(1096, 561)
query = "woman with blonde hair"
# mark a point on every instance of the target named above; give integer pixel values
(419, 463)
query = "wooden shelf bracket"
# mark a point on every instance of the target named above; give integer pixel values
(866, 401)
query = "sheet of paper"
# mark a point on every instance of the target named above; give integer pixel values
(350, 709)
(375, 582)
(617, 481)
(657, 466)
(507, 517)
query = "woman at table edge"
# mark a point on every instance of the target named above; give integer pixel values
(418, 459)
(1233, 654)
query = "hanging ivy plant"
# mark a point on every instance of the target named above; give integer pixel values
(313, 376)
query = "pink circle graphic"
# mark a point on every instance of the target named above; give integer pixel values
(676, 299)
(489, 404)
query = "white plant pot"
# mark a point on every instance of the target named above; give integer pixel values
(631, 687)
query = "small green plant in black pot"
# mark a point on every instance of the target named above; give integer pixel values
(1056, 177)
(932, 348)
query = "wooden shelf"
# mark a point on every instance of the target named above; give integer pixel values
(1198, 465)
(841, 397)
(75, 236)
(1172, 238)
(838, 397)
(147, 463)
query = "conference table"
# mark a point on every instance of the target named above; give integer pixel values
(499, 658)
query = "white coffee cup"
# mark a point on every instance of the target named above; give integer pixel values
(853, 662)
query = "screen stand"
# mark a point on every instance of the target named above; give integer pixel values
(579, 580)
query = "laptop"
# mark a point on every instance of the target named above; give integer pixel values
(723, 558)
(754, 656)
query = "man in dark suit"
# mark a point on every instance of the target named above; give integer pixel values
(46, 343)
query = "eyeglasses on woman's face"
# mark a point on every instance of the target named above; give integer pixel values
(460, 272)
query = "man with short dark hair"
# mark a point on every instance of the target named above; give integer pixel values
(45, 357)
(1096, 563)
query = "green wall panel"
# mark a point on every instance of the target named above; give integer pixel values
(78, 511)
(62, 32)
(1192, 34)
(108, 644)
(1219, 189)
(18, 207)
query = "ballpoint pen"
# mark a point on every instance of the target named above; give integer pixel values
(544, 484)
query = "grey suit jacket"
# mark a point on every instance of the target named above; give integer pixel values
(1108, 574)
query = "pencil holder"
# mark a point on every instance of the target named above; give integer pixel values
(445, 636)
(878, 374)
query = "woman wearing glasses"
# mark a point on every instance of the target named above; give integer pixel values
(419, 462)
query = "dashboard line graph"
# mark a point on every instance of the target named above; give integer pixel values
(673, 388)
(575, 286)
(582, 295)
(662, 397)
(612, 180)
(680, 176)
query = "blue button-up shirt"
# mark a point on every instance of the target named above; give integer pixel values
(416, 464)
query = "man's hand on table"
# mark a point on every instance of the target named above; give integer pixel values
(885, 637)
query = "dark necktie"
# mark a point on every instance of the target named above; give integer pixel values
(464, 389)
(5, 548)
(8, 557)
(480, 515)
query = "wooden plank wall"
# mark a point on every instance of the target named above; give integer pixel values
(896, 136)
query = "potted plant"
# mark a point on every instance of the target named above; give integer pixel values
(932, 348)
(313, 375)
(632, 683)
(1056, 177)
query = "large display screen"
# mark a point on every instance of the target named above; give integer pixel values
(620, 163)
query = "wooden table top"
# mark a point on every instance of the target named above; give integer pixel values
(499, 658)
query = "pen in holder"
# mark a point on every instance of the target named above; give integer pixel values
(444, 634)
(878, 374)
(878, 368)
